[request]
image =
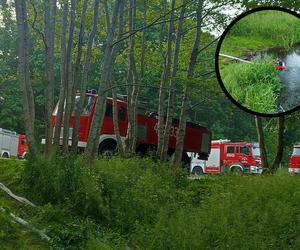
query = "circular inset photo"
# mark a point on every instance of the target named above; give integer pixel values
(258, 61)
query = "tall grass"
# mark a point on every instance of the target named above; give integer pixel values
(250, 213)
(142, 204)
(261, 30)
(255, 86)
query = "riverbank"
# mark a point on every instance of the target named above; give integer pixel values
(255, 86)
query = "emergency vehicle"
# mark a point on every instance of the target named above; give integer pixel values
(12, 145)
(227, 156)
(197, 138)
(294, 161)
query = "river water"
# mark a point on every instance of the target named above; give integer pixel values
(290, 93)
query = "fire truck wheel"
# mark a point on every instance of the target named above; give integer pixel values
(236, 170)
(5, 155)
(107, 149)
(197, 171)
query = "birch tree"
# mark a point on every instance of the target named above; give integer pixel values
(63, 75)
(96, 125)
(279, 144)
(261, 141)
(69, 78)
(188, 87)
(164, 78)
(132, 90)
(81, 84)
(23, 57)
(112, 82)
(49, 21)
(170, 107)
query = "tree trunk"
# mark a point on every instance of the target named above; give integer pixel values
(27, 93)
(76, 77)
(116, 120)
(170, 108)
(279, 145)
(132, 91)
(96, 125)
(164, 78)
(50, 15)
(188, 87)
(261, 141)
(69, 82)
(113, 84)
(62, 93)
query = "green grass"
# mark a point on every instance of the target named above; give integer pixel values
(262, 30)
(143, 204)
(255, 86)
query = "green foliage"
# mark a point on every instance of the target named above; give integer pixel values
(7, 229)
(255, 86)
(148, 205)
(261, 30)
(249, 213)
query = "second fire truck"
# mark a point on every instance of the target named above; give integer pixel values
(227, 156)
(12, 145)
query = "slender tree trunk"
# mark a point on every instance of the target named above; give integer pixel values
(133, 89)
(27, 93)
(261, 141)
(62, 93)
(170, 108)
(188, 87)
(279, 146)
(116, 120)
(113, 84)
(69, 82)
(143, 41)
(76, 77)
(50, 15)
(93, 140)
(164, 78)
(84, 80)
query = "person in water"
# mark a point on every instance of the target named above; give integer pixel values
(280, 63)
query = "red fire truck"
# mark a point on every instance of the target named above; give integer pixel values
(227, 156)
(12, 145)
(294, 162)
(197, 138)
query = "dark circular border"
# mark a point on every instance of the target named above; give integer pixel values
(217, 60)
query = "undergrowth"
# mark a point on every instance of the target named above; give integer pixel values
(141, 204)
(255, 86)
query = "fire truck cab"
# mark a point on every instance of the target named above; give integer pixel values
(294, 161)
(227, 156)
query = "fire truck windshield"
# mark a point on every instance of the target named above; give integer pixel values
(88, 103)
(296, 151)
(255, 151)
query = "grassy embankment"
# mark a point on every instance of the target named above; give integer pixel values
(257, 86)
(260, 31)
(146, 205)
